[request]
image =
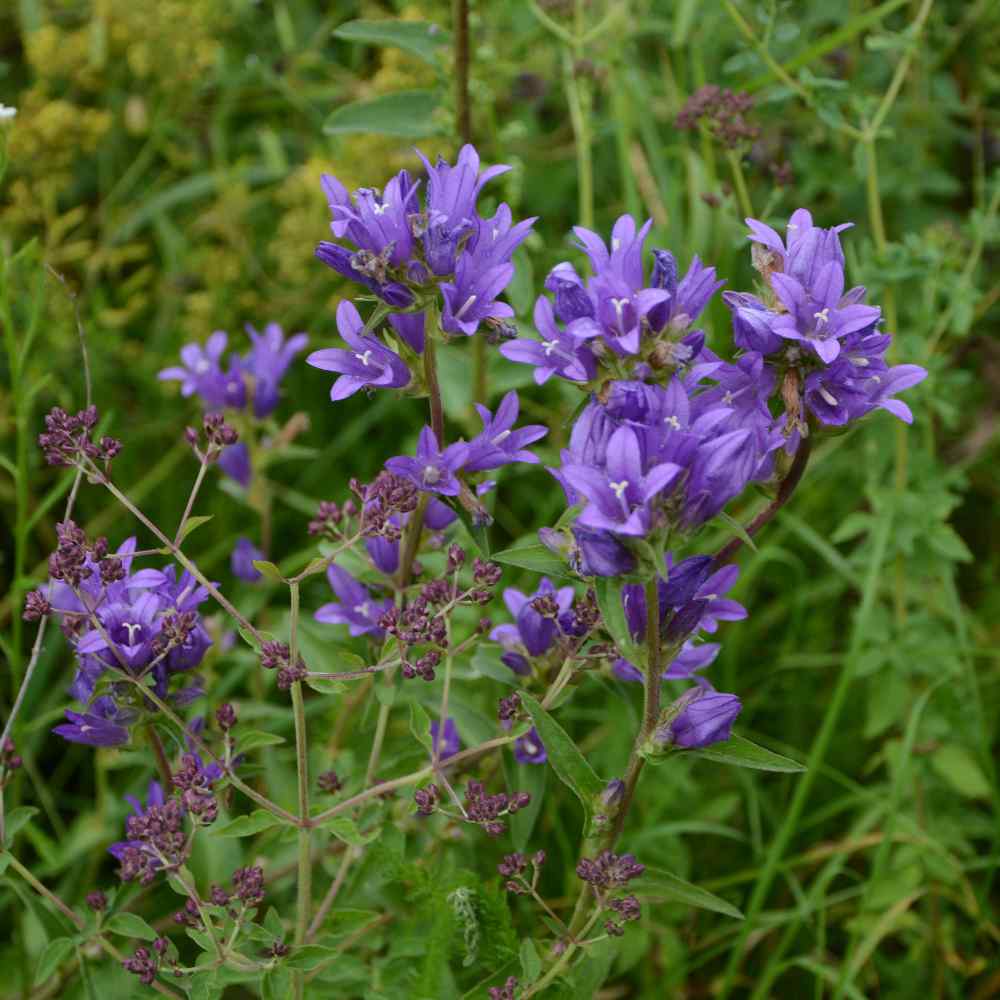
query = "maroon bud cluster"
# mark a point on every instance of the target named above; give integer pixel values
(97, 901)
(486, 574)
(456, 558)
(142, 964)
(422, 667)
(513, 868)
(225, 716)
(385, 501)
(176, 630)
(66, 441)
(505, 992)
(426, 799)
(157, 842)
(218, 434)
(276, 655)
(486, 810)
(248, 885)
(723, 112)
(196, 791)
(329, 782)
(508, 709)
(36, 606)
(328, 516)
(10, 761)
(69, 561)
(609, 870)
(627, 909)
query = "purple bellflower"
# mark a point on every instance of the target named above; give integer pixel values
(706, 718)
(368, 362)
(268, 360)
(534, 632)
(105, 725)
(432, 470)
(355, 606)
(498, 443)
(242, 560)
(529, 748)
(445, 738)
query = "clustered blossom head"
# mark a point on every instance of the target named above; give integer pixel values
(505, 992)
(487, 810)
(414, 251)
(819, 342)
(278, 656)
(253, 379)
(144, 623)
(67, 439)
(10, 761)
(513, 868)
(609, 870)
(723, 112)
(145, 963)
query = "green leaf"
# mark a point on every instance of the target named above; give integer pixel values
(17, 818)
(344, 828)
(247, 826)
(407, 114)
(326, 685)
(420, 38)
(248, 638)
(744, 753)
(309, 957)
(535, 557)
(268, 570)
(56, 952)
(130, 925)
(486, 662)
(276, 984)
(959, 768)
(738, 530)
(531, 964)
(193, 523)
(609, 599)
(420, 726)
(564, 755)
(661, 885)
(254, 739)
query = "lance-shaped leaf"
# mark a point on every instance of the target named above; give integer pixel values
(656, 884)
(535, 557)
(407, 114)
(745, 753)
(565, 757)
(420, 38)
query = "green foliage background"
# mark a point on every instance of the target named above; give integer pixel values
(165, 161)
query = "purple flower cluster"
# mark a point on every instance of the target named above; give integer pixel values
(409, 250)
(435, 470)
(252, 379)
(539, 620)
(354, 607)
(809, 325)
(145, 623)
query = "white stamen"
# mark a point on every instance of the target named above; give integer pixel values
(201, 367)
(876, 380)
(828, 396)
(502, 436)
(531, 749)
(619, 488)
(496, 232)
(856, 359)
(727, 398)
(363, 609)
(363, 358)
(431, 474)
(619, 305)
(673, 422)
(821, 317)
(465, 305)
(550, 346)
(380, 209)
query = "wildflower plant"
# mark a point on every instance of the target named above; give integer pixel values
(398, 602)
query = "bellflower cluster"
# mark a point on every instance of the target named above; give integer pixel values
(822, 342)
(414, 252)
(145, 623)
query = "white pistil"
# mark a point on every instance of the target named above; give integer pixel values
(431, 474)
(673, 422)
(619, 488)
(465, 306)
(380, 209)
(619, 305)
(828, 396)
(363, 609)
(857, 360)
(727, 398)
(131, 627)
(201, 366)
(822, 317)
(550, 346)
(363, 358)
(502, 436)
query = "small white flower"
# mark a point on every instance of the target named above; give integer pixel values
(7, 112)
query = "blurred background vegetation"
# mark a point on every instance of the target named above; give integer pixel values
(165, 162)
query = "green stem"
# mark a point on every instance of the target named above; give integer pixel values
(162, 764)
(189, 506)
(433, 387)
(302, 774)
(740, 183)
(460, 34)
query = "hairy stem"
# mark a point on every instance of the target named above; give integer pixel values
(189, 506)
(460, 33)
(302, 774)
(162, 764)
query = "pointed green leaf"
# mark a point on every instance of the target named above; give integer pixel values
(326, 685)
(744, 753)
(419, 38)
(420, 726)
(564, 755)
(252, 739)
(344, 828)
(246, 826)
(193, 523)
(531, 964)
(268, 570)
(56, 952)
(16, 819)
(407, 114)
(656, 884)
(535, 557)
(130, 925)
